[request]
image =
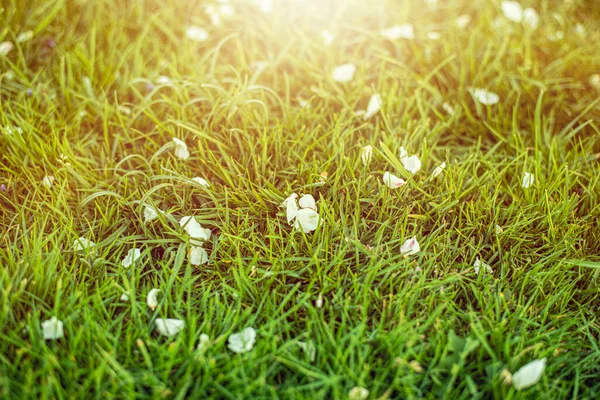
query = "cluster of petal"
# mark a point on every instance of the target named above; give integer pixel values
(242, 341)
(302, 212)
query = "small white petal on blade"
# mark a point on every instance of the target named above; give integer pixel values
(484, 97)
(319, 301)
(181, 150)
(343, 73)
(528, 180)
(406, 31)
(498, 229)
(242, 341)
(392, 181)
(83, 244)
(412, 164)
(24, 36)
(307, 220)
(169, 326)
(438, 170)
(463, 20)
(327, 37)
(291, 207)
(448, 108)
(5, 48)
(373, 107)
(203, 343)
(52, 329)
(309, 349)
(366, 154)
(358, 393)
(197, 255)
(531, 18)
(125, 296)
(512, 10)
(410, 246)
(152, 299)
(196, 34)
(48, 181)
(131, 257)
(201, 181)
(197, 233)
(149, 214)
(307, 201)
(529, 374)
(478, 264)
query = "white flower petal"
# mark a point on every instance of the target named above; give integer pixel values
(131, 257)
(373, 107)
(531, 18)
(150, 213)
(478, 264)
(291, 207)
(125, 296)
(512, 10)
(448, 108)
(196, 34)
(595, 81)
(169, 326)
(197, 233)
(48, 181)
(412, 164)
(201, 181)
(152, 299)
(319, 301)
(484, 97)
(406, 31)
(358, 393)
(83, 244)
(5, 48)
(528, 180)
(529, 374)
(309, 349)
(24, 36)
(410, 247)
(307, 201)
(242, 341)
(463, 20)
(343, 73)
(203, 343)
(52, 329)
(181, 150)
(392, 181)
(307, 220)
(438, 170)
(327, 37)
(197, 255)
(366, 154)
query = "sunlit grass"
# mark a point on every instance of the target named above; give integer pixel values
(101, 89)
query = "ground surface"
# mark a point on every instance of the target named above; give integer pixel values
(85, 91)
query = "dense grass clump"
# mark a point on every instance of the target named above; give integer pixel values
(92, 94)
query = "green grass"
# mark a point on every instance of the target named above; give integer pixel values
(93, 121)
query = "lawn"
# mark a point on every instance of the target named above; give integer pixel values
(463, 244)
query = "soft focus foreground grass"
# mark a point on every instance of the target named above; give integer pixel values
(84, 92)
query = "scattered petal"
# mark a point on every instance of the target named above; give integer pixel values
(203, 343)
(528, 180)
(5, 48)
(595, 81)
(242, 341)
(438, 170)
(181, 150)
(366, 154)
(48, 181)
(52, 329)
(83, 244)
(373, 107)
(392, 181)
(24, 36)
(309, 349)
(327, 37)
(358, 393)
(434, 35)
(463, 20)
(478, 264)
(307, 220)
(125, 296)
(412, 164)
(307, 201)
(512, 10)
(197, 233)
(448, 108)
(529, 374)
(410, 247)
(498, 229)
(291, 207)
(197, 255)
(169, 326)
(201, 181)
(152, 299)
(131, 257)
(319, 301)
(406, 31)
(484, 97)
(531, 18)
(150, 213)
(196, 34)
(343, 73)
